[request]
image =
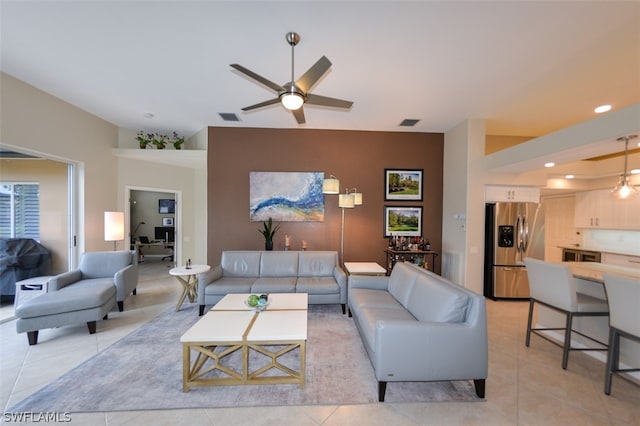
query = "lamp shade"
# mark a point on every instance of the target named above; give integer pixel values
(357, 198)
(346, 201)
(331, 185)
(113, 226)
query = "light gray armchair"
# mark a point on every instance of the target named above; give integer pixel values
(120, 267)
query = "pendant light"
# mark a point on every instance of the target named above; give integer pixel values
(624, 189)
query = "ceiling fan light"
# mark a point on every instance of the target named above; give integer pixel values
(291, 101)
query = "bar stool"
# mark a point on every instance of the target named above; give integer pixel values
(552, 285)
(624, 320)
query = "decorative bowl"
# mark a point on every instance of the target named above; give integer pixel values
(259, 307)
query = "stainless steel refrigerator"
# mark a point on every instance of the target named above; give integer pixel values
(513, 231)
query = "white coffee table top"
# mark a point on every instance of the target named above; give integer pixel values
(223, 326)
(364, 268)
(277, 301)
(278, 326)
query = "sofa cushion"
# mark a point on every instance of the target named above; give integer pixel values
(368, 317)
(69, 299)
(317, 285)
(241, 263)
(401, 281)
(434, 299)
(316, 264)
(230, 285)
(274, 285)
(279, 264)
(366, 297)
(100, 264)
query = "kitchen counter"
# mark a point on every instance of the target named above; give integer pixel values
(594, 271)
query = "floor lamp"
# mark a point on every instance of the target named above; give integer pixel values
(114, 227)
(348, 200)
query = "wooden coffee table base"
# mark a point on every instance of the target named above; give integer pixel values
(207, 360)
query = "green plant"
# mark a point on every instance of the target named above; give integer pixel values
(160, 141)
(268, 230)
(143, 139)
(177, 141)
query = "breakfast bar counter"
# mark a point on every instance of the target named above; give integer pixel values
(594, 271)
(589, 280)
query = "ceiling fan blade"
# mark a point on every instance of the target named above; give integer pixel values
(313, 74)
(326, 101)
(253, 75)
(299, 115)
(262, 104)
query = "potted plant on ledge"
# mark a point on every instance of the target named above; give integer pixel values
(268, 232)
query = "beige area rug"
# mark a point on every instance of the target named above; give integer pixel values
(143, 371)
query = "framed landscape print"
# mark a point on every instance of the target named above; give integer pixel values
(402, 221)
(286, 196)
(403, 185)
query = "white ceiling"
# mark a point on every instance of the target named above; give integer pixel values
(528, 68)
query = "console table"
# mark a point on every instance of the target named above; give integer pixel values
(419, 257)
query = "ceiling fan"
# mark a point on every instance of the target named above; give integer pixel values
(294, 94)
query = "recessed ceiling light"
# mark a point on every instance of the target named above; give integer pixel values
(148, 115)
(602, 108)
(549, 164)
(569, 176)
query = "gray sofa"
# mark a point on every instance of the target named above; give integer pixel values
(120, 268)
(418, 326)
(316, 273)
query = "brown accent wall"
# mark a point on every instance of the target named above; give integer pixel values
(357, 158)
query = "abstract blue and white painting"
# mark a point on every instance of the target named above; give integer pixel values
(286, 196)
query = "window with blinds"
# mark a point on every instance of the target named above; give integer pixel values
(20, 210)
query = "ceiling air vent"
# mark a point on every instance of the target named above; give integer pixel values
(409, 122)
(229, 116)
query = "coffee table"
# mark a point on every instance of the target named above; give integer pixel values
(230, 326)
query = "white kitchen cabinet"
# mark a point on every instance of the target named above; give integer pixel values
(621, 260)
(598, 209)
(559, 229)
(499, 193)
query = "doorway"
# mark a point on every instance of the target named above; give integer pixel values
(153, 216)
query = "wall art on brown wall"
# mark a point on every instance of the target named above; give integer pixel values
(403, 221)
(286, 196)
(403, 185)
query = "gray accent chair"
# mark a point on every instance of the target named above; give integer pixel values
(623, 294)
(552, 285)
(119, 268)
(68, 306)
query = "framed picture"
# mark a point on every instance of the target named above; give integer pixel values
(167, 221)
(286, 196)
(403, 185)
(402, 221)
(166, 206)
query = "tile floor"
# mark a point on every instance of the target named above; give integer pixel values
(526, 386)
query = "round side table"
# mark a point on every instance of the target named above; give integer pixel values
(189, 280)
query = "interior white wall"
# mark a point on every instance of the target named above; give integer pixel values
(142, 174)
(36, 122)
(69, 134)
(454, 201)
